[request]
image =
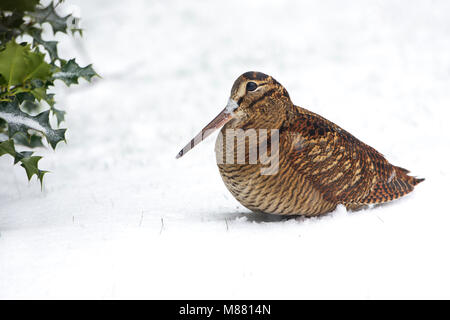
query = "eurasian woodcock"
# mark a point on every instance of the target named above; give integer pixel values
(318, 164)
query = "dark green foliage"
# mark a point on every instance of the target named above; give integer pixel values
(27, 73)
(18, 5)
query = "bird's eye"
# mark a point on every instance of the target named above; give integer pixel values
(251, 86)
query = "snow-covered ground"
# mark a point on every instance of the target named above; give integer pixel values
(119, 217)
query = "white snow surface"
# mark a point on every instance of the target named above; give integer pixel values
(120, 217)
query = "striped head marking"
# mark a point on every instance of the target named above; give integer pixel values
(252, 87)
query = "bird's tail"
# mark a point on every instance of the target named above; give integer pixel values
(397, 185)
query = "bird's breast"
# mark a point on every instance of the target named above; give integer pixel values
(255, 168)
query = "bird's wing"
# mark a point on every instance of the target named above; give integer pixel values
(340, 166)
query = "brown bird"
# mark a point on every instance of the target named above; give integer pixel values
(311, 164)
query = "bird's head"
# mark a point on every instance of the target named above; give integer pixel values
(254, 93)
(256, 98)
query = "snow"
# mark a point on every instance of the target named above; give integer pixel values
(120, 217)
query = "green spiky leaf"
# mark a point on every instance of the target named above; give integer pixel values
(20, 122)
(21, 155)
(70, 72)
(59, 114)
(28, 102)
(19, 64)
(7, 147)
(18, 5)
(31, 167)
(27, 161)
(31, 140)
(41, 94)
(50, 46)
(27, 71)
(49, 15)
(24, 96)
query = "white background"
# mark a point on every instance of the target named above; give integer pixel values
(119, 217)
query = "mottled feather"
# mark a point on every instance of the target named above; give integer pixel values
(342, 167)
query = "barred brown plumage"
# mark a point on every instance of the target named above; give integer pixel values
(320, 165)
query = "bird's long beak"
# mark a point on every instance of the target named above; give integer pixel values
(223, 117)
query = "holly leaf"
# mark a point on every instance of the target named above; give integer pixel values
(27, 70)
(50, 46)
(40, 93)
(30, 141)
(36, 66)
(31, 167)
(24, 96)
(19, 64)
(53, 136)
(28, 162)
(27, 101)
(70, 72)
(20, 122)
(12, 67)
(48, 14)
(30, 106)
(20, 155)
(59, 114)
(7, 147)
